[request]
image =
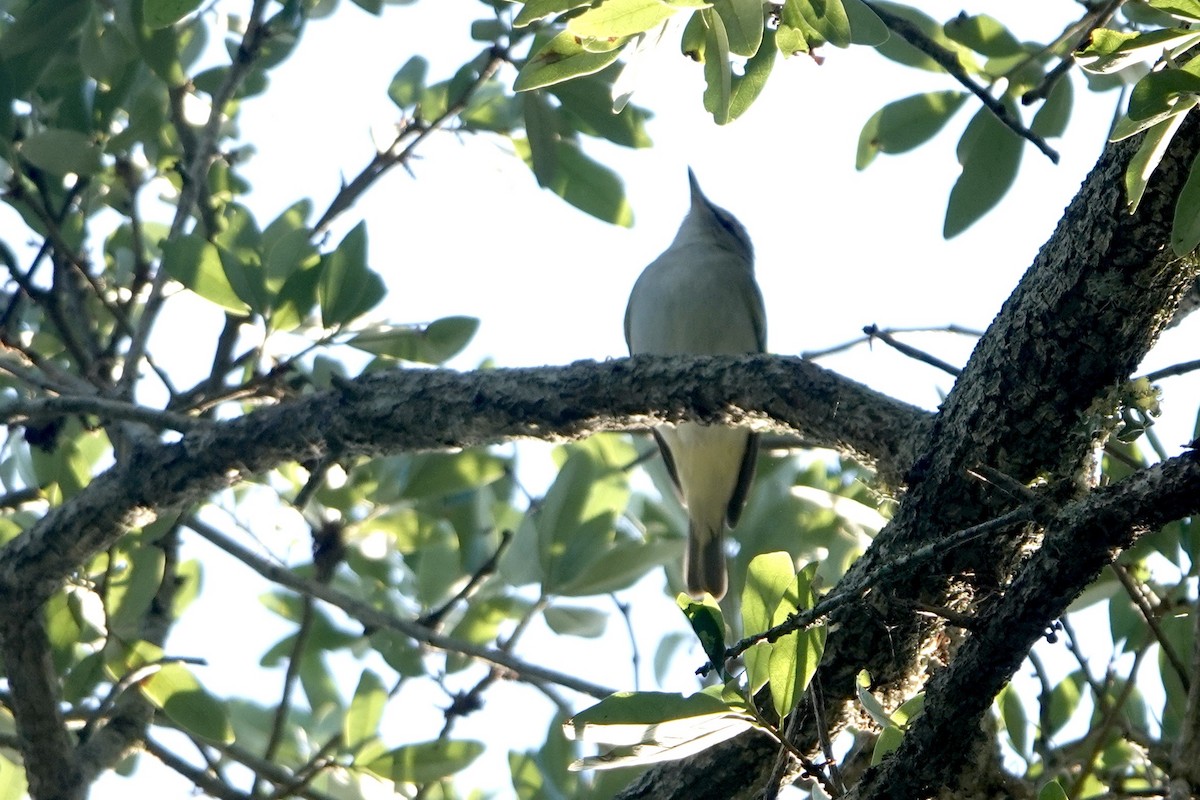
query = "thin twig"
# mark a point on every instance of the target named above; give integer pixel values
(949, 62)
(832, 602)
(21, 411)
(373, 618)
(433, 619)
(874, 332)
(1134, 590)
(1099, 734)
(418, 132)
(194, 180)
(201, 778)
(1172, 371)
(1081, 31)
(812, 355)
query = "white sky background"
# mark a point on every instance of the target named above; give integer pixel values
(473, 234)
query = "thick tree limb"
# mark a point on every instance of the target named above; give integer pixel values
(1078, 544)
(439, 409)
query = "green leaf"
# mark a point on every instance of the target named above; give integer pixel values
(905, 124)
(1111, 51)
(619, 566)
(434, 343)
(615, 19)
(175, 690)
(35, 38)
(560, 59)
(1185, 229)
(409, 82)
(347, 287)
(828, 18)
(576, 621)
(990, 155)
(589, 186)
(535, 10)
(1159, 92)
(1051, 119)
(983, 34)
(1187, 10)
(1064, 700)
(361, 723)
(865, 25)
(889, 739)
(794, 658)
(743, 21)
(1146, 159)
(160, 48)
(61, 152)
(745, 88)
(426, 762)
(870, 704)
(13, 785)
(709, 626)
(768, 577)
(1052, 791)
(161, 13)
(586, 102)
(718, 75)
(441, 474)
(650, 727)
(1012, 712)
(196, 264)
(133, 577)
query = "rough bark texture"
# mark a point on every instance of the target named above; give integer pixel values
(1030, 403)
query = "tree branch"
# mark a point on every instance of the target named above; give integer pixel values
(373, 618)
(949, 62)
(438, 409)
(1081, 541)
(51, 764)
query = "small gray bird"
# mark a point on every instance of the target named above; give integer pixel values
(699, 298)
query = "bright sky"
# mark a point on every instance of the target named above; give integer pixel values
(472, 234)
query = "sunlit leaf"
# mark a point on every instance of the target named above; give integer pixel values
(649, 727)
(175, 690)
(904, 124)
(535, 10)
(794, 658)
(408, 82)
(614, 19)
(161, 13)
(718, 75)
(768, 577)
(1110, 51)
(1185, 229)
(743, 21)
(560, 59)
(745, 88)
(196, 264)
(434, 343)
(361, 722)
(62, 152)
(576, 621)
(347, 288)
(427, 761)
(1146, 159)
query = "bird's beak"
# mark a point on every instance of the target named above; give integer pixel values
(697, 195)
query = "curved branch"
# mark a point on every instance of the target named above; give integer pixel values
(437, 409)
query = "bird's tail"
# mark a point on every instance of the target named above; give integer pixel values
(704, 564)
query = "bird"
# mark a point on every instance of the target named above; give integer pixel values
(700, 298)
